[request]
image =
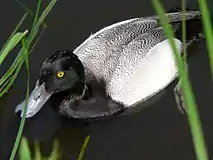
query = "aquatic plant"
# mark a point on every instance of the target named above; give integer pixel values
(27, 47)
(25, 153)
(191, 107)
(9, 77)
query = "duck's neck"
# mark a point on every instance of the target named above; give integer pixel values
(82, 91)
(79, 91)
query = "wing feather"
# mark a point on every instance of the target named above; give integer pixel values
(113, 53)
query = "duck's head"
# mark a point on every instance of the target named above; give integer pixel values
(60, 72)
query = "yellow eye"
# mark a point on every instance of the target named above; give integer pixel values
(60, 74)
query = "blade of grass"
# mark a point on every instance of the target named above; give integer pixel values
(2, 88)
(83, 148)
(11, 44)
(18, 60)
(208, 30)
(37, 40)
(15, 30)
(193, 116)
(55, 153)
(14, 70)
(31, 35)
(36, 15)
(21, 126)
(13, 77)
(27, 10)
(37, 152)
(44, 15)
(10, 74)
(40, 20)
(24, 150)
(184, 28)
(14, 66)
(19, 24)
(25, 48)
(6, 80)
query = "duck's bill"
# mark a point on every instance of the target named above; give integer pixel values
(38, 97)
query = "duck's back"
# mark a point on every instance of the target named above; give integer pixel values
(133, 57)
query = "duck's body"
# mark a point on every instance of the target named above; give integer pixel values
(125, 64)
(133, 57)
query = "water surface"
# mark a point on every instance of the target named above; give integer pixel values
(159, 132)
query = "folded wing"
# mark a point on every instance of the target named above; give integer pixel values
(118, 53)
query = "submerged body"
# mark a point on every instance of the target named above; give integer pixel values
(113, 70)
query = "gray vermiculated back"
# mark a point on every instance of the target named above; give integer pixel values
(114, 53)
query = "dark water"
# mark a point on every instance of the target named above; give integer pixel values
(159, 132)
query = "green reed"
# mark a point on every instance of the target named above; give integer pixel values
(27, 44)
(191, 107)
(25, 154)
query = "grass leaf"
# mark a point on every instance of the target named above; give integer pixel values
(184, 29)
(11, 44)
(44, 14)
(17, 63)
(191, 108)
(28, 11)
(36, 15)
(37, 152)
(24, 150)
(55, 153)
(21, 126)
(83, 148)
(15, 30)
(7, 80)
(208, 30)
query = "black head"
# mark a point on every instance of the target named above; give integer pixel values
(60, 72)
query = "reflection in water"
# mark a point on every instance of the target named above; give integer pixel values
(44, 128)
(70, 141)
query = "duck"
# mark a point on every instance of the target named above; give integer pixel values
(116, 69)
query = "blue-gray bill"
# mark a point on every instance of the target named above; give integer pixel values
(36, 101)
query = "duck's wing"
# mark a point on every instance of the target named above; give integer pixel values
(144, 76)
(118, 54)
(123, 32)
(99, 52)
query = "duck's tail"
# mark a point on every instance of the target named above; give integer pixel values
(194, 31)
(194, 28)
